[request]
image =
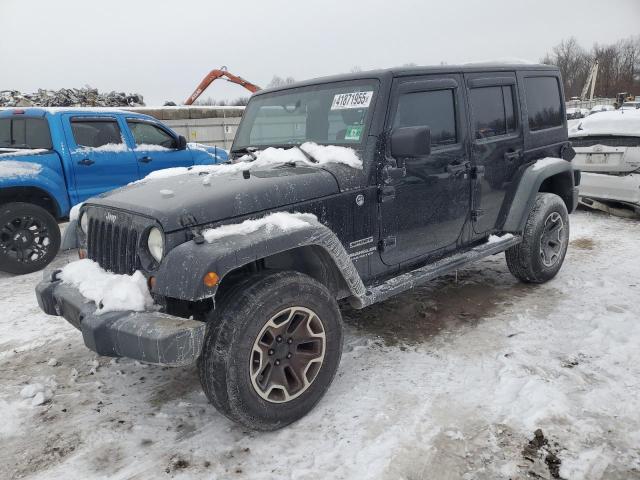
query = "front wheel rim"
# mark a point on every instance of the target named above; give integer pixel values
(287, 354)
(25, 239)
(552, 239)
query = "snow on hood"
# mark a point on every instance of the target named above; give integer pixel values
(271, 156)
(11, 152)
(619, 122)
(109, 291)
(13, 169)
(280, 221)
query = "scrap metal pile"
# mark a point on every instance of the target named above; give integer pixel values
(70, 97)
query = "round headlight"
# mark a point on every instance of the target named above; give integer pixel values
(84, 223)
(155, 243)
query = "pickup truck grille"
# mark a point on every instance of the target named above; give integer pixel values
(113, 246)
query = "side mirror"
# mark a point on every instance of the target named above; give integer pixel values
(411, 142)
(181, 143)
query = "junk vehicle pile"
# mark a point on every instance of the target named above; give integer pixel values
(355, 187)
(70, 97)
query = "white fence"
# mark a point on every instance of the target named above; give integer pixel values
(207, 125)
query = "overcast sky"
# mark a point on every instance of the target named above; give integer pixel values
(163, 49)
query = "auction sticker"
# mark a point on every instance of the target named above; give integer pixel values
(342, 101)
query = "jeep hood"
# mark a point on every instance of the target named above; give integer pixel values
(219, 197)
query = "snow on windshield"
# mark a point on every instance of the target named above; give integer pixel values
(279, 221)
(12, 169)
(109, 291)
(619, 122)
(323, 154)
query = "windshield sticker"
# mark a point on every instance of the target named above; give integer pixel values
(354, 132)
(342, 101)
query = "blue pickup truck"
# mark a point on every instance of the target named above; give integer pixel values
(54, 158)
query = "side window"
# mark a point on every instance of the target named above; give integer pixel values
(543, 102)
(25, 133)
(148, 134)
(434, 109)
(493, 111)
(95, 133)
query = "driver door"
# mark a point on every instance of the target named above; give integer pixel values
(156, 147)
(423, 212)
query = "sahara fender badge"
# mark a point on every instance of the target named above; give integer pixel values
(360, 200)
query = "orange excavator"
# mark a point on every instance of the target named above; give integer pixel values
(216, 74)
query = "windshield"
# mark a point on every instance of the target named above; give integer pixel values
(24, 132)
(336, 114)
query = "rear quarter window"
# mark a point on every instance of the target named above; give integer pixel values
(25, 133)
(544, 105)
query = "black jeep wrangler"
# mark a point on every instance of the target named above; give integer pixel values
(458, 163)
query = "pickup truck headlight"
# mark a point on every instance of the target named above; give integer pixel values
(155, 243)
(84, 223)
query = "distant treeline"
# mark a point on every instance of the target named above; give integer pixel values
(618, 71)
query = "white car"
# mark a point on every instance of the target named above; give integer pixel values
(607, 149)
(601, 108)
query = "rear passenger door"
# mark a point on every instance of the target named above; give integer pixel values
(100, 157)
(156, 147)
(496, 143)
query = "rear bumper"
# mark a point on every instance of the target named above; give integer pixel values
(151, 337)
(615, 188)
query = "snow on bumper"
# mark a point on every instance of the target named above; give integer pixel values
(151, 337)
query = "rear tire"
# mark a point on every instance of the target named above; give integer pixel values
(29, 238)
(540, 255)
(271, 350)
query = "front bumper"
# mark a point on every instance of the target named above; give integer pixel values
(151, 337)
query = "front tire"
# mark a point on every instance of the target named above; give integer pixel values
(29, 238)
(544, 241)
(271, 350)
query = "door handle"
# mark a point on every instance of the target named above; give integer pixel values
(457, 168)
(146, 159)
(511, 156)
(86, 162)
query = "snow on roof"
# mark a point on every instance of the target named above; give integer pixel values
(280, 221)
(324, 154)
(109, 291)
(12, 169)
(617, 122)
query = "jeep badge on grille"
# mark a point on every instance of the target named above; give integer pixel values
(111, 217)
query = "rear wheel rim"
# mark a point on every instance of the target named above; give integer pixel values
(25, 239)
(287, 354)
(552, 239)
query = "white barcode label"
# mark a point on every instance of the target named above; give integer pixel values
(351, 100)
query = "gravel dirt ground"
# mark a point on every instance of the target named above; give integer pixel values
(475, 376)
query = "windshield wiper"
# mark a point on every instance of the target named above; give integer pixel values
(307, 155)
(247, 150)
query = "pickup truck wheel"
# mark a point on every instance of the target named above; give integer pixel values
(545, 239)
(29, 238)
(273, 352)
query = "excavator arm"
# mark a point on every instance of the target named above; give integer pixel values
(214, 75)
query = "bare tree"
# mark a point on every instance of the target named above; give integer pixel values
(618, 66)
(277, 81)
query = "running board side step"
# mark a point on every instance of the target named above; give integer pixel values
(421, 275)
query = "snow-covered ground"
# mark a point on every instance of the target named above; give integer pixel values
(448, 381)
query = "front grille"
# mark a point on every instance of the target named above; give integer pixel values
(113, 246)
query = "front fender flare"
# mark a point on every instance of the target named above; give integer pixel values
(181, 272)
(528, 187)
